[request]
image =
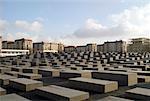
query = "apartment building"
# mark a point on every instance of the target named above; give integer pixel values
(80, 48)
(69, 49)
(100, 48)
(139, 45)
(47, 47)
(24, 44)
(91, 47)
(60, 47)
(10, 45)
(115, 46)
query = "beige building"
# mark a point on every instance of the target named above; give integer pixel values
(4, 44)
(47, 47)
(91, 47)
(115, 46)
(10, 45)
(139, 45)
(69, 49)
(60, 47)
(24, 44)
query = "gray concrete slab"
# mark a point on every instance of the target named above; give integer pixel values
(4, 79)
(123, 78)
(95, 85)
(25, 84)
(75, 73)
(139, 93)
(2, 91)
(12, 97)
(61, 93)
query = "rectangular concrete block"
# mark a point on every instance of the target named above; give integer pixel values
(2, 91)
(49, 72)
(12, 73)
(17, 69)
(139, 93)
(112, 98)
(75, 73)
(143, 78)
(30, 70)
(29, 76)
(4, 79)
(4, 69)
(61, 93)
(123, 78)
(13, 97)
(25, 84)
(95, 85)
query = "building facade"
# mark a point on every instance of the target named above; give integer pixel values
(47, 47)
(60, 47)
(69, 49)
(100, 48)
(81, 48)
(139, 45)
(115, 46)
(24, 44)
(10, 45)
(91, 47)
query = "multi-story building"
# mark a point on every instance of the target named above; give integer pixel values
(91, 47)
(139, 45)
(69, 49)
(81, 48)
(10, 45)
(100, 48)
(23, 44)
(115, 46)
(54, 46)
(4, 44)
(46, 47)
(7, 49)
(60, 47)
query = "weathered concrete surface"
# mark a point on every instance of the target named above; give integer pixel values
(61, 93)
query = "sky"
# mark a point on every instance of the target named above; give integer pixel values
(74, 22)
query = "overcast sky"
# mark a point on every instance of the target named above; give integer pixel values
(74, 22)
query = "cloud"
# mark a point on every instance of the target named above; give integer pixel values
(133, 22)
(34, 26)
(19, 35)
(3, 25)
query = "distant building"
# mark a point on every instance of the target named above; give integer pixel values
(4, 44)
(115, 46)
(7, 49)
(60, 47)
(10, 45)
(69, 49)
(91, 47)
(100, 48)
(81, 48)
(139, 45)
(47, 47)
(24, 44)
